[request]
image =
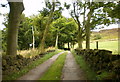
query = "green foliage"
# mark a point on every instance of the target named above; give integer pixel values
(96, 37)
(67, 5)
(115, 12)
(25, 34)
(55, 71)
(4, 39)
(4, 33)
(66, 29)
(100, 16)
(44, 12)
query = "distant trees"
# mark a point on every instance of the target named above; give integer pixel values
(64, 30)
(25, 33)
(57, 27)
(16, 9)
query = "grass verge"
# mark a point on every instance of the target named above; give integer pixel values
(32, 65)
(105, 75)
(90, 74)
(55, 71)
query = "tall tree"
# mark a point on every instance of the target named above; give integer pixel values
(93, 13)
(42, 44)
(97, 16)
(16, 9)
(87, 23)
(75, 13)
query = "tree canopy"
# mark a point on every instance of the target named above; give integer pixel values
(51, 28)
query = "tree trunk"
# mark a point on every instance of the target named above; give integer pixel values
(71, 45)
(87, 37)
(33, 38)
(42, 44)
(80, 41)
(80, 38)
(56, 43)
(87, 27)
(16, 9)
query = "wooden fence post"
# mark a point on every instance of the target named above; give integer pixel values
(97, 44)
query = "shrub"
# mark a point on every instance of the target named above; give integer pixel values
(96, 37)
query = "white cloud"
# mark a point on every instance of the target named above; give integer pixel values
(33, 6)
(3, 10)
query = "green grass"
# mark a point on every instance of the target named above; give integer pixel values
(105, 75)
(55, 71)
(32, 65)
(108, 45)
(89, 73)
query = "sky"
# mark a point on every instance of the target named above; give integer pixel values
(33, 6)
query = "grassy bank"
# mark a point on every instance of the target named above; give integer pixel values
(89, 73)
(32, 65)
(55, 71)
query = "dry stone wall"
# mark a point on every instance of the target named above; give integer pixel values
(15, 63)
(101, 60)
